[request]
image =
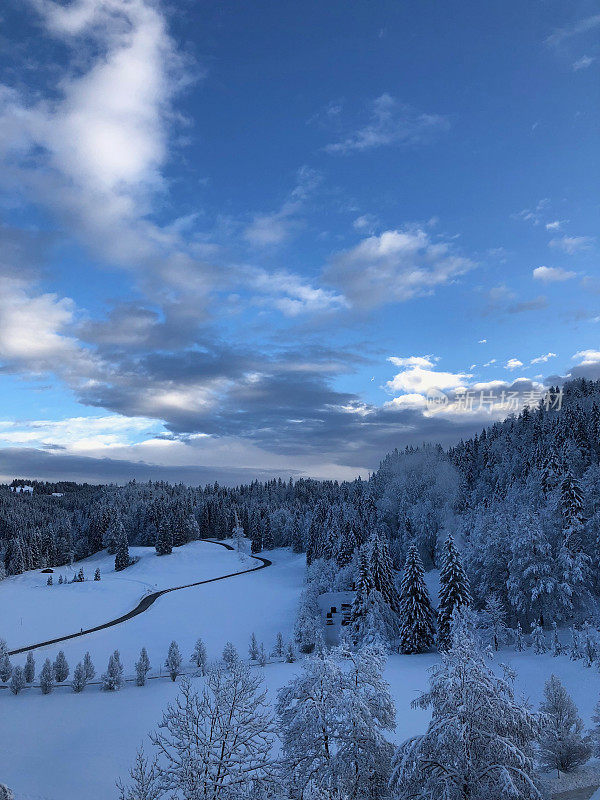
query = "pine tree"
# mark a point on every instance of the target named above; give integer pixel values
(47, 677)
(97, 574)
(253, 648)
(589, 645)
(576, 650)
(122, 559)
(455, 593)
(60, 667)
(90, 671)
(29, 671)
(199, 656)
(79, 681)
(479, 743)
(17, 681)
(112, 679)
(494, 621)
(49, 581)
(417, 627)
(142, 668)
(173, 661)
(262, 656)
(563, 746)
(364, 586)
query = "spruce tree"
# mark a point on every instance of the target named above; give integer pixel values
(538, 640)
(164, 537)
(173, 661)
(199, 656)
(279, 649)
(382, 571)
(60, 667)
(90, 670)
(112, 679)
(29, 668)
(97, 574)
(253, 648)
(122, 559)
(364, 587)
(142, 668)
(47, 677)
(17, 681)
(290, 653)
(417, 627)
(79, 681)
(5, 667)
(230, 655)
(455, 593)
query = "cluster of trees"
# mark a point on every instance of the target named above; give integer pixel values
(333, 720)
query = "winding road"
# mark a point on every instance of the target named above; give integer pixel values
(145, 603)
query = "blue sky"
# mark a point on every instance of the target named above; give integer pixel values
(249, 238)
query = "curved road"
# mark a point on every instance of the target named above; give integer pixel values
(145, 603)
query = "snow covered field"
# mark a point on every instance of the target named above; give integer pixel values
(68, 745)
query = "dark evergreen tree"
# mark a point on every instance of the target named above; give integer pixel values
(122, 559)
(454, 593)
(382, 571)
(417, 627)
(164, 538)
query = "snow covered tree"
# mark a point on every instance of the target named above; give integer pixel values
(382, 570)
(262, 655)
(142, 668)
(416, 617)
(576, 649)
(253, 648)
(557, 648)
(60, 667)
(519, 643)
(47, 677)
(494, 622)
(144, 783)
(589, 644)
(173, 661)
(122, 559)
(97, 574)
(5, 667)
(29, 670)
(595, 732)
(90, 670)
(79, 681)
(290, 653)
(563, 746)
(49, 581)
(164, 537)
(454, 594)
(479, 743)
(230, 655)
(364, 587)
(538, 640)
(112, 679)
(199, 656)
(279, 648)
(216, 744)
(17, 681)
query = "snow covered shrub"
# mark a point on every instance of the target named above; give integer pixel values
(563, 746)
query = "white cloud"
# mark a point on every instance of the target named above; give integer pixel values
(552, 274)
(555, 225)
(543, 359)
(390, 123)
(583, 63)
(572, 244)
(292, 295)
(490, 362)
(577, 28)
(513, 363)
(394, 266)
(482, 341)
(588, 357)
(419, 374)
(533, 215)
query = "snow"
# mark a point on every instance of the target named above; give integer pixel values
(52, 746)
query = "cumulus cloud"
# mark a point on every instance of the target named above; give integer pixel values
(420, 374)
(390, 123)
(552, 274)
(394, 266)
